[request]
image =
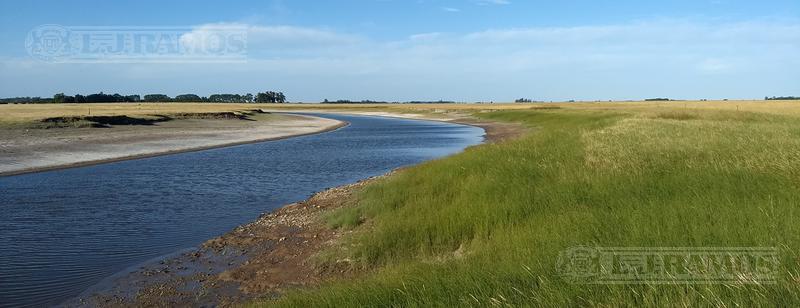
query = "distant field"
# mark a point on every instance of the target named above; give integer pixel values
(778, 107)
(28, 112)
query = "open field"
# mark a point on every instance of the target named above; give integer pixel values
(774, 107)
(20, 113)
(14, 113)
(486, 227)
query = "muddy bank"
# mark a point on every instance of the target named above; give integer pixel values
(259, 260)
(65, 142)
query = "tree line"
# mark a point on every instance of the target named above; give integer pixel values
(60, 98)
(783, 98)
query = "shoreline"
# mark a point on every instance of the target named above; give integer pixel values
(264, 257)
(330, 128)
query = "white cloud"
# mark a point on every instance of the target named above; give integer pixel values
(204, 36)
(260, 38)
(451, 9)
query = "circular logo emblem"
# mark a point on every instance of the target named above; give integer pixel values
(48, 42)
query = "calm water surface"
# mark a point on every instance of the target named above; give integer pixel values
(63, 231)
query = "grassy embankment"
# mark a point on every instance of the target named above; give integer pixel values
(485, 227)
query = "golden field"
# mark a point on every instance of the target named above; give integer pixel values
(27, 112)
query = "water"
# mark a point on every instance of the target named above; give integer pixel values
(63, 231)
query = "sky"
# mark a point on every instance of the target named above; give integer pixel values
(461, 50)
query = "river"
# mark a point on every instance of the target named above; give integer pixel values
(63, 231)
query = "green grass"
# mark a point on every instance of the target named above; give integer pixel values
(485, 227)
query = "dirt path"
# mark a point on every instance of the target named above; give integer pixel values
(258, 260)
(32, 150)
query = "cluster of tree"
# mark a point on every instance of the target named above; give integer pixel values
(657, 99)
(61, 98)
(262, 97)
(150, 98)
(26, 100)
(523, 100)
(271, 97)
(784, 98)
(230, 98)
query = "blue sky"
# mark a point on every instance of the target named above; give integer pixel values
(466, 50)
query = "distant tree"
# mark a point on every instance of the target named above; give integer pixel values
(270, 97)
(263, 97)
(26, 100)
(151, 98)
(188, 98)
(103, 98)
(782, 98)
(226, 98)
(133, 98)
(59, 98)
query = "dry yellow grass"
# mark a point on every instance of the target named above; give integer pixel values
(27, 112)
(772, 107)
(775, 107)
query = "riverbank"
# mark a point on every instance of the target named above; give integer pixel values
(262, 259)
(26, 150)
(500, 225)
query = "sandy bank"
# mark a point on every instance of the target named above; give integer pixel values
(33, 150)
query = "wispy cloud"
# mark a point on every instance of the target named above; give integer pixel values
(279, 36)
(451, 9)
(492, 2)
(680, 58)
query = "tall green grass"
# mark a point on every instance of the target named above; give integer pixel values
(485, 227)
